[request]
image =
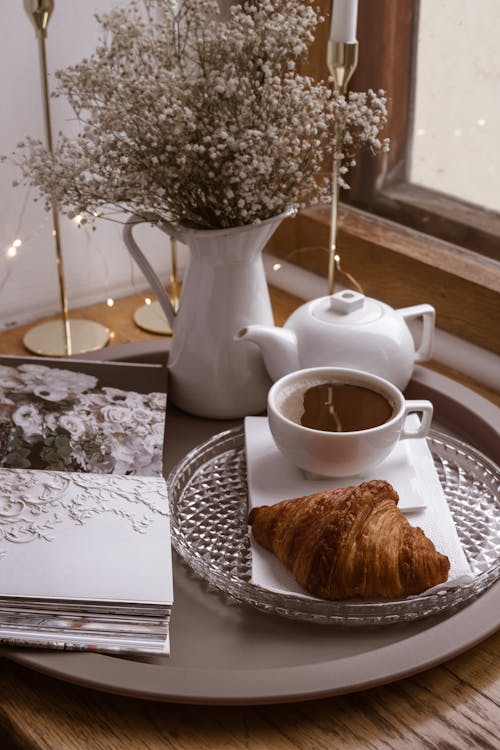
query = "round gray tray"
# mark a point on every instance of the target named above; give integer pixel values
(227, 653)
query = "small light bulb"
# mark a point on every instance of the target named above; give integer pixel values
(110, 302)
(11, 252)
(17, 243)
(481, 122)
(147, 301)
(421, 131)
(78, 219)
(276, 266)
(337, 259)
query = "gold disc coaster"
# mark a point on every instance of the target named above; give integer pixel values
(48, 339)
(152, 318)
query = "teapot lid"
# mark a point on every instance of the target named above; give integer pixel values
(347, 308)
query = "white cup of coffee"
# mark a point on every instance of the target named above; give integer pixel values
(336, 421)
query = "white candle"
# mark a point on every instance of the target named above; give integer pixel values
(344, 20)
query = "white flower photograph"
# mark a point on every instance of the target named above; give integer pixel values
(63, 420)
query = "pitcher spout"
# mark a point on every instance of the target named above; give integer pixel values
(278, 347)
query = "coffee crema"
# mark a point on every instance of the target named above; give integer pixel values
(344, 407)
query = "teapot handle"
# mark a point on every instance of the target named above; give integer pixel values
(145, 266)
(428, 315)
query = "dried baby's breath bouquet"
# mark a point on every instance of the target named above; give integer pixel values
(199, 118)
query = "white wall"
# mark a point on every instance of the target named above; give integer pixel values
(97, 264)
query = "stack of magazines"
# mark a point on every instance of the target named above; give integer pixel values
(85, 555)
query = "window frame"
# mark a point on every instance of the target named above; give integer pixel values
(382, 185)
(403, 244)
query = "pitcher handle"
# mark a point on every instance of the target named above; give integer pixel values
(143, 263)
(428, 315)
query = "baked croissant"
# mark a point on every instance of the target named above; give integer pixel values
(350, 542)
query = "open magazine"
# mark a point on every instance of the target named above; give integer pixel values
(85, 556)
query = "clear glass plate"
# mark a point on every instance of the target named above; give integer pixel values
(208, 502)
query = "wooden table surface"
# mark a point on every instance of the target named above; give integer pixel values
(454, 705)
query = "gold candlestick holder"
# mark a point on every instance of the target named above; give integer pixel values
(62, 337)
(342, 59)
(150, 316)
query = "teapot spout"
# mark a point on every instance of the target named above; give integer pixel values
(278, 346)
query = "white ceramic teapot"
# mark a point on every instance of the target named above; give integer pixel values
(346, 329)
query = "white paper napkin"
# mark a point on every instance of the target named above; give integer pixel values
(410, 469)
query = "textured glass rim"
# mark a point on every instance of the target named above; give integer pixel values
(319, 610)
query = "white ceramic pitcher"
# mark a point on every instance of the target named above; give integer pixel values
(225, 289)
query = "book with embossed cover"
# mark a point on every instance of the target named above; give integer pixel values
(85, 557)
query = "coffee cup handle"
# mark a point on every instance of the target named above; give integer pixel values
(425, 410)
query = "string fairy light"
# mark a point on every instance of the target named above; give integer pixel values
(12, 249)
(79, 221)
(345, 278)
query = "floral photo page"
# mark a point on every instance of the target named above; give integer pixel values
(101, 418)
(85, 554)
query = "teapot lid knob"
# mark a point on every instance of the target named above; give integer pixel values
(346, 301)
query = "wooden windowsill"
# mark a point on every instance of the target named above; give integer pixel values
(413, 244)
(437, 214)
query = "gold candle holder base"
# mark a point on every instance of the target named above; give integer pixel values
(151, 318)
(49, 339)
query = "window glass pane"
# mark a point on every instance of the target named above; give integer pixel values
(456, 123)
